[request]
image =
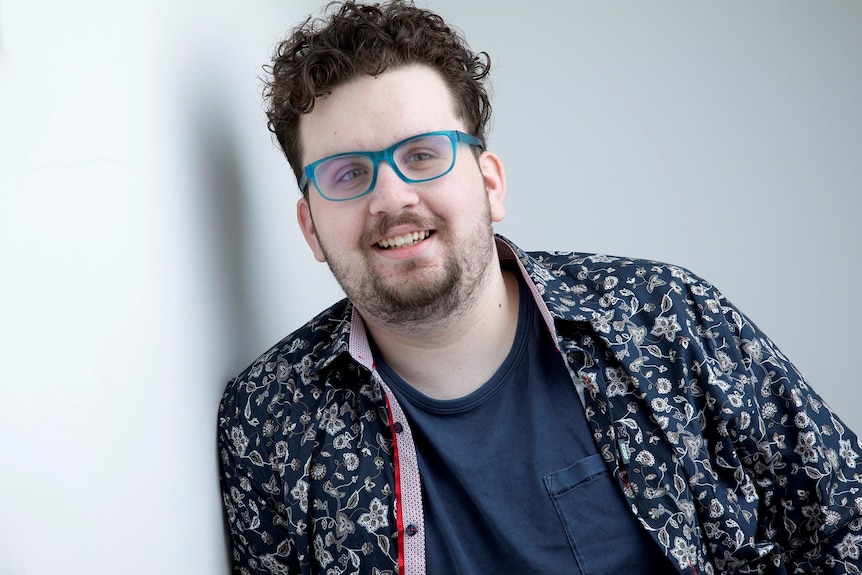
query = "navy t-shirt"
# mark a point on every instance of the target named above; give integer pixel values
(511, 479)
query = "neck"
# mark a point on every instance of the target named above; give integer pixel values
(451, 357)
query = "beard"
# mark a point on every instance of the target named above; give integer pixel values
(420, 296)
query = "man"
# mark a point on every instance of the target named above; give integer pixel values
(471, 408)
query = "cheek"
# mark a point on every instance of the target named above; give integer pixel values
(334, 226)
(337, 231)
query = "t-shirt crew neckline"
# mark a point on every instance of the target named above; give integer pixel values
(526, 318)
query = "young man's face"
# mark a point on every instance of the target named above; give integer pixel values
(451, 216)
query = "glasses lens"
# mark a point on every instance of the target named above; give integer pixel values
(344, 177)
(425, 158)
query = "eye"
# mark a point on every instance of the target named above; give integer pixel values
(430, 150)
(419, 156)
(350, 174)
(343, 172)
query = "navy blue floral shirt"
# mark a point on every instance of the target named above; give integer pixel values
(725, 454)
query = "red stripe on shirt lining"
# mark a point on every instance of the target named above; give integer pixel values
(398, 518)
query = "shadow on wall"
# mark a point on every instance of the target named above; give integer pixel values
(223, 198)
(220, 198)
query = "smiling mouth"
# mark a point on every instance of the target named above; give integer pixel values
(403, 241)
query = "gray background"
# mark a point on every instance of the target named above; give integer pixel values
(150, 250)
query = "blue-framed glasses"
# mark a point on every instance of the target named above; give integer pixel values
(417, 159)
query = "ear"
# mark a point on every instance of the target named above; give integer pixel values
(494, 176)
(306, 224)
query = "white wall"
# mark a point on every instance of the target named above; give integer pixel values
(149, 249)
(142, 211)
(725, 137)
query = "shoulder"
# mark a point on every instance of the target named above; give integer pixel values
(292, 365)
(598, 283)
(592, 268)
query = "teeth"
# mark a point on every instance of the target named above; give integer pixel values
(405, 240)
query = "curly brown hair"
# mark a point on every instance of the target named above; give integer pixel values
(321, 54)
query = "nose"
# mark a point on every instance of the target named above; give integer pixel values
(391, 194)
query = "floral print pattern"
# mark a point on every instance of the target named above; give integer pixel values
(728, 457)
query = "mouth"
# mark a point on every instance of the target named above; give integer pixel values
(402, 241)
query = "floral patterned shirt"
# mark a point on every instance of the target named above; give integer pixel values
(726, 455)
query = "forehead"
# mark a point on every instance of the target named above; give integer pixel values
(373, 112)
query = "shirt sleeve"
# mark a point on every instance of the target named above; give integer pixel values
(800, 458)
(251, 490)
